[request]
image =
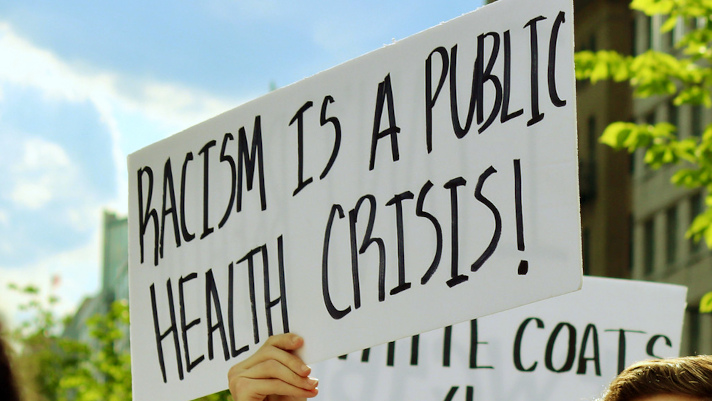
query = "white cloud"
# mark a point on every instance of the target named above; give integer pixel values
(41, 69)
(78, 275)
(32, 195)
(43, 173)
(41, 154)
(168, 106)
(42, 177)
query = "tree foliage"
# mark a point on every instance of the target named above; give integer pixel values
(105, 374)
(57, 368)
(685, 75)
(43, 355)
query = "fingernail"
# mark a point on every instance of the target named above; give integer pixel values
(313, 381)
(297, 342)
(306, 369)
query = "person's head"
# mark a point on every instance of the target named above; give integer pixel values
(677, 379)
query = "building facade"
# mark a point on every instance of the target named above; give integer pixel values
(642, 210)
(114, 280)
(662, 212)
(605, 181)
(633, 218)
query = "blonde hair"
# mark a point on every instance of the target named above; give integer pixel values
(690, 375)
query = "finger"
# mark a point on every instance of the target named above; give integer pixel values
(286, 341)
(247, 389)
(278, 347)
(274, 369)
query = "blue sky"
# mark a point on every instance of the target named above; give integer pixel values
(83, 84)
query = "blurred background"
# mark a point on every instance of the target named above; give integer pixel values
(82, 85)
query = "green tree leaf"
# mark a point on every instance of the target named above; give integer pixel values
(706, 303)
(684, 77)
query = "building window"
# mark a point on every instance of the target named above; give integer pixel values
(592, 136)
(690, 24)
(696, 207)
(587, 165)
(672, 113)
(645, 27)
(671, 235)
(649, 246)
(670, 39)
(634, 29)
(631, 251)
(586, 250)
(697, 127)
(693, 330)
(650, 119)
(592, 46)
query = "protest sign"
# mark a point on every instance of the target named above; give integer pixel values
(564, 349)
(427, 183)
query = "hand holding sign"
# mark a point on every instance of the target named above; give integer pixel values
(273, 373)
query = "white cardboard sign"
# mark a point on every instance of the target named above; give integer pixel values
(564, 349)
(427, 183)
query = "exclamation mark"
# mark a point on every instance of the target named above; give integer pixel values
(523, 264)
